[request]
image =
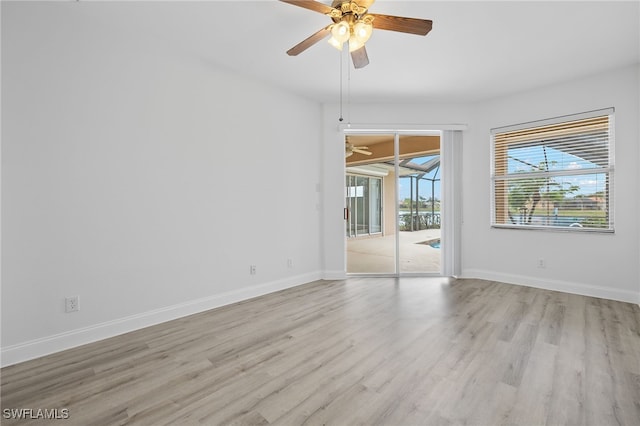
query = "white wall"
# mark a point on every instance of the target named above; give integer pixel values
(592, 264)
(604, 265)
(142, 179)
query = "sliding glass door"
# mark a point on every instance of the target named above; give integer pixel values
(363, 200)
(392, 188)
(419, 207)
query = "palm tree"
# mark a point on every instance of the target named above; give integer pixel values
(525, 194)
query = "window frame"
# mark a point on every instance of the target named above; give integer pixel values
(507, 177)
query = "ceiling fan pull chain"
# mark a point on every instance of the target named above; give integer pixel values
(341, 119)
(348, 93)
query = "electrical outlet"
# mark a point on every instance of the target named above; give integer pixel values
(252, 269)
(541, 263)
(72, 304)
(289, 263)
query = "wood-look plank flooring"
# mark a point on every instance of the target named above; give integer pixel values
(370, 351)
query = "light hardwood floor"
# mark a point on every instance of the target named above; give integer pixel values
(373, 351)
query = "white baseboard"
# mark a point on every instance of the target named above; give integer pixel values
(556, 285)
(334, 275)
(47, 345)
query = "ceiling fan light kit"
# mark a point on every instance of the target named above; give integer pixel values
(340, 33)
(351, 29)
(353, 24)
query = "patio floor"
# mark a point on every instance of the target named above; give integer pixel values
(376, 254)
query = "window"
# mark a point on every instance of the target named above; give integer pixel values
(554, 174)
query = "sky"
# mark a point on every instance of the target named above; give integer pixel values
(527, 159)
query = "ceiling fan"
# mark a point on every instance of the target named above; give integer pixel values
(353, 24)
(350, 149)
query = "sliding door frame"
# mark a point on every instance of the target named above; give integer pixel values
(450, 154)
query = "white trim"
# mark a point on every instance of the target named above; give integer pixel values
(58, 342)
(612, 165)
(334, 275)
(551, 228)
(396, 198)
(412, 129)
(555, 285)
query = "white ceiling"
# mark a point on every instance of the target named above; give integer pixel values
(476, 50)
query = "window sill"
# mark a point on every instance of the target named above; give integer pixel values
(563, 229)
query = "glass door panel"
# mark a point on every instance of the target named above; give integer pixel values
(419, 205)
(370, 199)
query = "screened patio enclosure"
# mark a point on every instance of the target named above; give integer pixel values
(421, 210)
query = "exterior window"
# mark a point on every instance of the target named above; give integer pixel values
(555, 174)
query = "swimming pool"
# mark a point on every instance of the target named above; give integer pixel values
(435, 243)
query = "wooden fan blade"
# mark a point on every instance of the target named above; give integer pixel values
(360, 58)
(309, 41)
(359, 151)
(401, 24)
(313, 5)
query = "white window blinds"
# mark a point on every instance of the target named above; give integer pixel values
(554, 174)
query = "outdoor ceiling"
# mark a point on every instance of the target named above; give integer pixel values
(382, 147)
(476, 50)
